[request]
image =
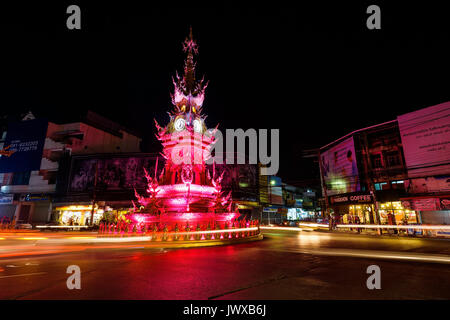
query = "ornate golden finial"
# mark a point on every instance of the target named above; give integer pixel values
(189, 44)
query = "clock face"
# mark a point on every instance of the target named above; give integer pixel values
(198, 126)
(179, 124)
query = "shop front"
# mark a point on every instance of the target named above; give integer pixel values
(397, 212)
(7, 207)
(429, 210)
(77, 214)
(353, 208)
(274, 214)
(33, 208)
(296, 214)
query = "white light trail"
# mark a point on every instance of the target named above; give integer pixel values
(61, 227)
(131, 238)
(384, 226)
(411, 256)
(281, 228)
(23, 275)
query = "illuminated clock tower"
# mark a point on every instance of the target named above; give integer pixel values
(185, 189)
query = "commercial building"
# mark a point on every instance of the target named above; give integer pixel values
(281, 202)
(396, 172)
(38, 149)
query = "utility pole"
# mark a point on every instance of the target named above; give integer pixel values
(368, 169)
(94, 193)
(270, 199)
(324, 188)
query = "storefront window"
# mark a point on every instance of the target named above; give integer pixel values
(78, 215)
(359, 213)
(394, 213)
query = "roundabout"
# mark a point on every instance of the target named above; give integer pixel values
(180, 239)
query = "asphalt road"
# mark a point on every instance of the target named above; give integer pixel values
(285, 265)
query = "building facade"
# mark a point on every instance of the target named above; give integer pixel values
(392, 173)
(281, 202)
(30, 174)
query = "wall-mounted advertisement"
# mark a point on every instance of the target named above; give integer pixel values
(127, 172)
(6, 198)
(24, 143)
(426, 140)
(237, 177)
(339, 169)
(428, 184)
(114, 174)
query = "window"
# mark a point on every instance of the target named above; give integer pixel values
(384, 185)
(381, 186)
(400, 184)
(393, 159)
(376, 161)
(21, 178)
(51, 177)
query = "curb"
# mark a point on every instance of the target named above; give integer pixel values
(184, 243)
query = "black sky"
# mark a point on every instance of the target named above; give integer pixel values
(315, 72)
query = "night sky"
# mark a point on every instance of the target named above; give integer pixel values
(314, 72)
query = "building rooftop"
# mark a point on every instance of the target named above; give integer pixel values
(358, 131)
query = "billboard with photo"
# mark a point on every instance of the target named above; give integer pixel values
(428, 184)
(123, 173)
(113, 174)
(25, 143)
(241, 179)
(425, 137)
(339, 168)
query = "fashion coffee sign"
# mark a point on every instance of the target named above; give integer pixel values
(354, 198)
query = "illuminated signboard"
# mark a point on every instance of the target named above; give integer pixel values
(6, 198)
(339, 169)
(25, 143)
(351, 198)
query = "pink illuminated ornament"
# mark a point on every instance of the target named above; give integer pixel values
(187, 174)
